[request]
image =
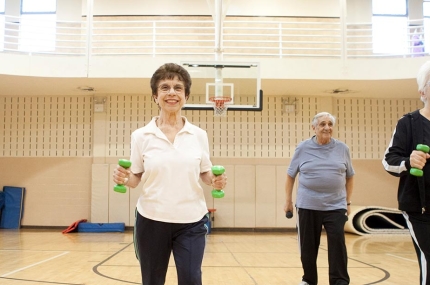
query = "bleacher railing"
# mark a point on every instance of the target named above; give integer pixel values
(252, 37)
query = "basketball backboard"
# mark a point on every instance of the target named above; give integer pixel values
(239, 82)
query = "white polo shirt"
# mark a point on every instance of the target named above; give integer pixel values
(171, 172)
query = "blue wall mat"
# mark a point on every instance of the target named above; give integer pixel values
(13, 207)
(101, 228)
(1, 202)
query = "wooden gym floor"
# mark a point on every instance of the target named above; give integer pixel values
(38, 257)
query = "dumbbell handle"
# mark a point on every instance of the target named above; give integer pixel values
(119, 187)
(217, 170)
(415, 171)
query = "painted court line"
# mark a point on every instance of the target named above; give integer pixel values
(4, 275)
(413, 260)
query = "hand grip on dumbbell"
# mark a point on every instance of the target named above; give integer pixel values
(217, 170)
(119, 187)
(415, 171)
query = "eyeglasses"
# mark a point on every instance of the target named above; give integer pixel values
(165, 88)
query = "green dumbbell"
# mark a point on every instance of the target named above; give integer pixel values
(415, 171)
(119, 187)
(218, 170)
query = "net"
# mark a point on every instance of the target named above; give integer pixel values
(220, 106)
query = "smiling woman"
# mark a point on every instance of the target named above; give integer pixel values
(169, 157)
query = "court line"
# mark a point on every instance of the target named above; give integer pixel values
(412, 260)
(23, 268)
(39, 281)
(386, 272)
(240, 264)
(96, 267)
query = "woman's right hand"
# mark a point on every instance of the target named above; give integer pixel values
(288, 206)
(418, 159)
(121, 175)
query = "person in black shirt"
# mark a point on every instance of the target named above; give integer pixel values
(414, 190)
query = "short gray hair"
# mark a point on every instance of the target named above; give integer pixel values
(323, 114)
(423, 76)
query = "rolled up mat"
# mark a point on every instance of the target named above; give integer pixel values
(375, 220)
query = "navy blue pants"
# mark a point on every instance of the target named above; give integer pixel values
(154, 242)
(310, 223)
(419, 228)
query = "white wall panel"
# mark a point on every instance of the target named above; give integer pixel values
(265, 196)
(244, 196)
(100, 193)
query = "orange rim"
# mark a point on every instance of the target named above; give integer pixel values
(219, 101)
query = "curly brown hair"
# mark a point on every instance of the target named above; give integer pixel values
(170, 71)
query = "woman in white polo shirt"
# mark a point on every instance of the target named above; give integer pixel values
(169, 156)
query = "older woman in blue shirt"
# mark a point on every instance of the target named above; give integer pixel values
(323, 199)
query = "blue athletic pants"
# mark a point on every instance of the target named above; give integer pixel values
(154, 241)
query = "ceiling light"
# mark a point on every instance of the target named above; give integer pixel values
(86, 88)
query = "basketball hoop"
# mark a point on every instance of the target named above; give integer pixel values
(219, 105)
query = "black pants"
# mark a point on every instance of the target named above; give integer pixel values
(154, 242)
(419, 228)
(310, 223)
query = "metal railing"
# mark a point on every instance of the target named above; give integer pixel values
(279, 38)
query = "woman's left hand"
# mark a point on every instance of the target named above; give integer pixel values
(219, 182)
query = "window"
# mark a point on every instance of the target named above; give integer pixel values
(389, 7)
(426, 8)
(38, 25)
(2, 24)
(39, 6)
(426, 14)
(390, 26)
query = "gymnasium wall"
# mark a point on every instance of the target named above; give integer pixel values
(64, 154)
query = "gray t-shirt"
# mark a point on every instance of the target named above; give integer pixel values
(323, 171)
